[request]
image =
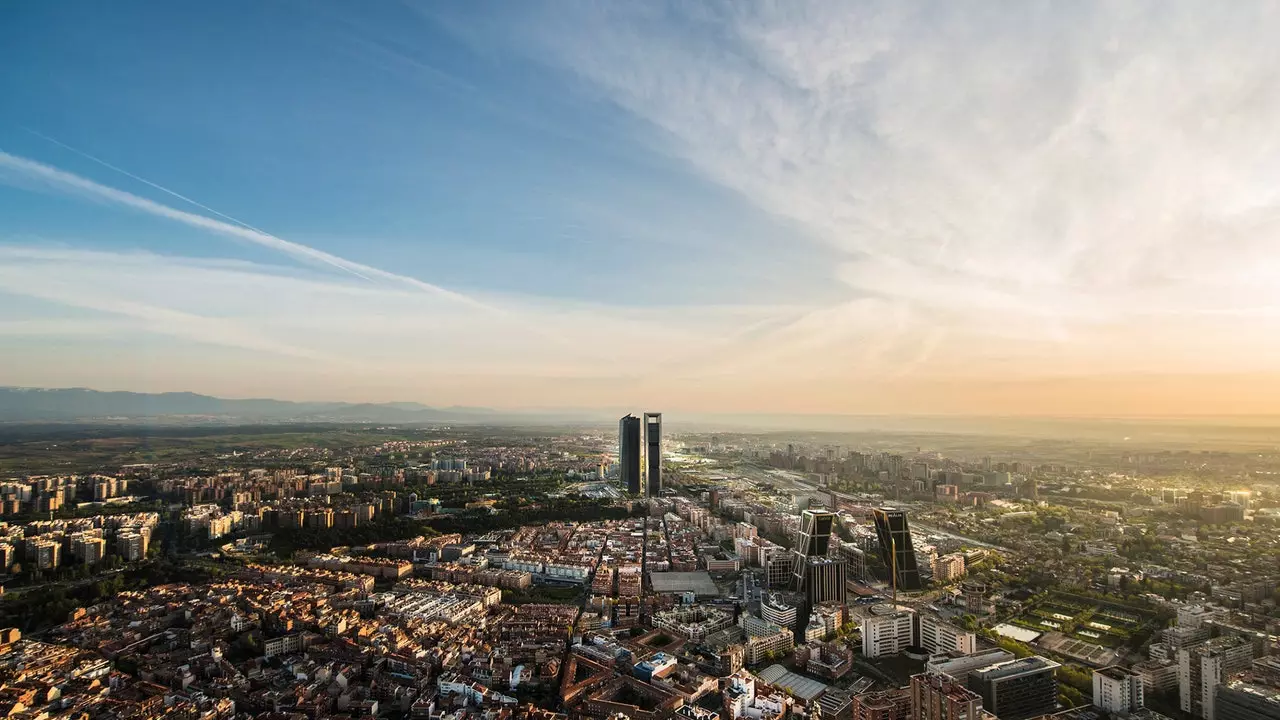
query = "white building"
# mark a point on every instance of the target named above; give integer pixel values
(938, 637)
(1117, 690)
(777, 611)
(887, 632)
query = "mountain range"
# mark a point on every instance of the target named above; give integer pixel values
(85, 405)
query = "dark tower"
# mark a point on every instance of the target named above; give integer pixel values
(896, 549)
(653, 452)
(820, 577)
(629, 453)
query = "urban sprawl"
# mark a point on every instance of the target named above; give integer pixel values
(451, 573)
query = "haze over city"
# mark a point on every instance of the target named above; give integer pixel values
(863, 208)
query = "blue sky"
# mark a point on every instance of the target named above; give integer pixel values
(811, 206)
(371, 132)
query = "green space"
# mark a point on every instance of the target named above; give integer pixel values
(1107, 624)
(542, 595)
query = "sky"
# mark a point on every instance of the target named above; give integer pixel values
(1040, 208)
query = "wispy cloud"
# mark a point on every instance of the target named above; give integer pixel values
(996, 178)
(985, 194)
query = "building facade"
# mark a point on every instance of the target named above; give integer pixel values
(935, 696)
(896, 547)
(1019, 689)
(1117, 690)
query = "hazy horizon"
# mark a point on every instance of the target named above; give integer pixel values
(815, 209)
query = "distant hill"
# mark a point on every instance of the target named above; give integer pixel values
(81, 404)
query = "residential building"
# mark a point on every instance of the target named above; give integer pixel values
(948, 568)
(1117, 690)
(887, 631)
(1201, 668)
(936, 696)
(892, 704)
(937, 637)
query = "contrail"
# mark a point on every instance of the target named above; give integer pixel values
(229, 226)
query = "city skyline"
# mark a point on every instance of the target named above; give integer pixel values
(865, 209)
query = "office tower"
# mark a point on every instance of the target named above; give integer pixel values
(855, 559)
(814, 538)
(1117, 690)
(935, 696)
(888, 632)
(821, 578)
(1017, 690)
(629, 453)
(1246, 701)
(824, 580)
(653, 453)
(896, 548)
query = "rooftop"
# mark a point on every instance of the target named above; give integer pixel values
(802, 687)
(698, 583)
(1014, 668)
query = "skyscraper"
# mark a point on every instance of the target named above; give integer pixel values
(820, 577)
(629, 453)
(896, 548)
(814, 537)
(653, 453)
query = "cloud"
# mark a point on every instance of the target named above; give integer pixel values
(1077, 178)
(997, 197)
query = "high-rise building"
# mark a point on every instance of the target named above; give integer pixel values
(820, 577)
(814, 537)
(824, 580)
(1201, 668)
(131, 545)
(887, 631)
(629, 453)
(653, 453)
(855, 559)
(1117, 690)
(1019, 689)
(896, 547)
(935, 696)
(47, 554)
